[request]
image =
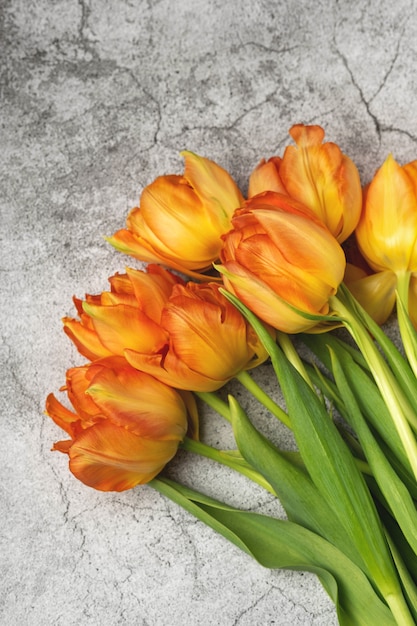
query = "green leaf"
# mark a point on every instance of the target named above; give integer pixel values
(393, 489)
(300, 498)
(331, 465)
(283, 544)
(399, 365)
(365, 390)
(408, 333)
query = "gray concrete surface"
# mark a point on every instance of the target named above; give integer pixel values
(97, 98)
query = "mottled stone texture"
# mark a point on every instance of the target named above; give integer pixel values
(97, 98)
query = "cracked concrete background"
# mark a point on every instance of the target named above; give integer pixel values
(97, 98)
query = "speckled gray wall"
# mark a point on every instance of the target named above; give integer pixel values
(97, 99)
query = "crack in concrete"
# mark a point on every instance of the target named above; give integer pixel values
(364, 101)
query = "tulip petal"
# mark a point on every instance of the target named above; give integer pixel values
(139, 402)
(121, 326)
(179, 221)
(198, 327)
(214, 186)
(152, 289)
(62, 416)
(376, 293)
(264, 301)
(172, 371)
(85, 339)
(110, 458)
(265, 177)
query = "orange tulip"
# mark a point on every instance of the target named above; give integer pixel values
(125, 428)
(277, 259)
(319, 176)
(209, 341)
(181, 218)
(126, 317)
(187, 335)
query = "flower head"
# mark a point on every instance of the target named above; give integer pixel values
(278, 258)
(185, 334)
(387, 230)
(125, 428)
(318, 175)
(181, 218)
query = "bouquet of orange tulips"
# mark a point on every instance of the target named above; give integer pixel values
(308, 259)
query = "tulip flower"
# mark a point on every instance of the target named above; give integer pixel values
(181, 219)
(387, 230)
(209, 341)
(126, 426)
(316, 174)
(126, 317)
(187, 335)
(387, 237)
(279, 260)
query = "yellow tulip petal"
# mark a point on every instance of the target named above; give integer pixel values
(169, 369)
(214, 186)
(376, 293)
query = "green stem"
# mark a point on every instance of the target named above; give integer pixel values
(247, 381)
(213, 401)
(407, 330)
(400, 610)
(409, 586)
(229, 458)
(397, 403)
(403, 285)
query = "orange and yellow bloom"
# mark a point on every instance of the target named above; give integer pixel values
(316, 174)
(387, 230)
(387, 238)
(278, 259)
(125, 426)
(181, 219)
(186, 334)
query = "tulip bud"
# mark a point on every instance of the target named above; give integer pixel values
(125, 428)
(181, 219)
(278, 259)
